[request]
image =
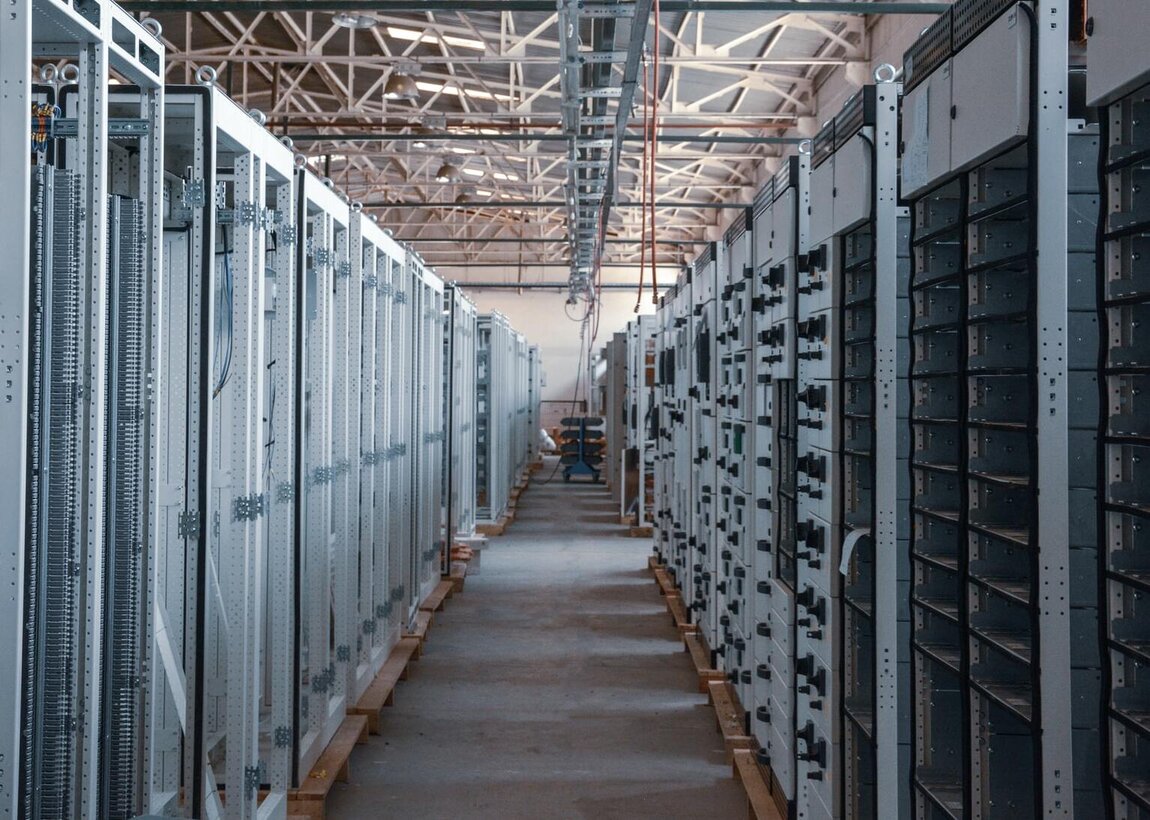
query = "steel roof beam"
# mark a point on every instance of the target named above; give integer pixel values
(528, 136)
(545, 203)
(408, 6)
(529, 240)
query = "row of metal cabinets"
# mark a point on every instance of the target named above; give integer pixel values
(628, 383)
(508, 394)
(899, 473)
(243, 422)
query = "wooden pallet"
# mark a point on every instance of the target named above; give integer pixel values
(437, 597)
(696, 645)
(762, 800)
(419, 629)
(494, 527)
(678, 610)
(641, 532)
(729, 717)
(333, 765)
(381, 691)
(665, 582)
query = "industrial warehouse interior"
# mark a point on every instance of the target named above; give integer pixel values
(575, 409)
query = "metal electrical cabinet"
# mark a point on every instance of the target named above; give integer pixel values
(734, 510)
(1117, 82)
(635, 449)
(780, 216)
(615, 412)
(1004, 419)
(78, 345)
(702, 391)
(850, 668)
(428, 432)
(378, 262)
(536, 381)
(324, 470)
(503, 414)
(461, 341)
(229, 212)
(674, 520)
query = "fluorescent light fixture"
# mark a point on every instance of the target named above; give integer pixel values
(507, 177)
(516, 158)
(455, 149)
(434, 39)
(349, 19)
(482, 192)
(474, 172)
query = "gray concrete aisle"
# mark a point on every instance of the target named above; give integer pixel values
(553, 687)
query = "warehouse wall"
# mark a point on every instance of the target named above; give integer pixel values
(540, 316)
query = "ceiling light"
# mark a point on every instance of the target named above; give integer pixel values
(507, 177)
(475, 172)
(455, 149)
(447, 173)
(462, 197)
(347, 19)
(482, 192)
(400, 86)
(515, 158)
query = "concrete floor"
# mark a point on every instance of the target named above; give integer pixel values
(553, 687)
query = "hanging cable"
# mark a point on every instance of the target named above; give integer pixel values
(654, 156)
(643, 170)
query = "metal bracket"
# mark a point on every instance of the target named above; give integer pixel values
(322, 475)
(401, 297)
(322, 257)
(370, 281)
(69, 127)
(343, 269)
(343, 653)
(285, 492)
(246, 213)
(382, 610)
(248, 507)
(286, 234)
(253, 776)
(189, 524)
(368, 626)
(194, 194)
(282, 737)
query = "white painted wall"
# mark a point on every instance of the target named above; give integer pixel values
(539, 315)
